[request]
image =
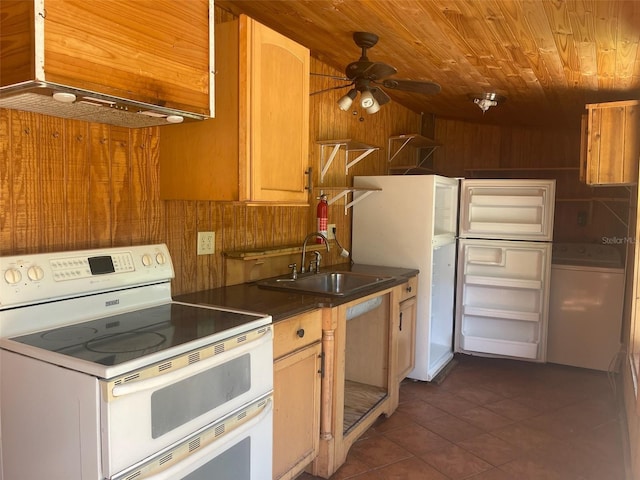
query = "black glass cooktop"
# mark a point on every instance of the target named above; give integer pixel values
(119, 338)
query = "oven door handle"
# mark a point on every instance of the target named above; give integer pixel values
(182, 373)
(179, 469)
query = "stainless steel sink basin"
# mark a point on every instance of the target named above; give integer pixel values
(326, 283)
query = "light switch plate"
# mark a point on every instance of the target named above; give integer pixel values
(330, 234)
(206, 243)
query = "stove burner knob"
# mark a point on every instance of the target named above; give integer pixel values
(146, 259)
(160, 258)
(35, 273)
(12, 276)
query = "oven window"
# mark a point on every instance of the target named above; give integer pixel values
(233, 464)
(183, 401)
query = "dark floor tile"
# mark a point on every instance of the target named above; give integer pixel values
(452, 428)
(455, 462)
(512, 409)
(417, 439)
(492, 449)
(410, 469)
(484, 418)
(377, 451)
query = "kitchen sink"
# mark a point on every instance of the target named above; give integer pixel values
(325, 283)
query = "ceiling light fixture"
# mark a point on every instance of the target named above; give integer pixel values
(487, 100)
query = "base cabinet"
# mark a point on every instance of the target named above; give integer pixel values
(296, 393)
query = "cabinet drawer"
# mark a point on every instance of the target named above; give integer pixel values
(296, 332)
(409, 289)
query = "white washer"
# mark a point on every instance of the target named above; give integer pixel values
(585, 306)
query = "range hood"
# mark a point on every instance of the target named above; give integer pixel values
(68, 102)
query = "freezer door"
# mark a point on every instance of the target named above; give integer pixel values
(503, 298)
(511, 209)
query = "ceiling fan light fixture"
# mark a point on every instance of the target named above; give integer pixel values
(373, 108)
(345, 101)
(367, 100)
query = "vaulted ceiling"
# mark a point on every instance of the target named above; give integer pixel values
(547, 57)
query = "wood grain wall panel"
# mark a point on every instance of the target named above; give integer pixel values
(76, 161)
(188, 247)
(26, 182)
(6, 185)
(121, 186)
(99, 186)
(51, 163)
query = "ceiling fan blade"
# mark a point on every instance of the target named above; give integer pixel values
(413, 86)
(369, 70)
(378, 71)
(380, 96)
(335, 77)
(331, 88)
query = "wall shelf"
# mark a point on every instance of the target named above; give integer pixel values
(341, 192)
(329, 149)
(397, 143)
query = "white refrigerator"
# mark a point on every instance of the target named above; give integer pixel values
(485, 293)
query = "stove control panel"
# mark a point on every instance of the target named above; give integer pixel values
(41, 277)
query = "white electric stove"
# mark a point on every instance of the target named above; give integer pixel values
(103, 374)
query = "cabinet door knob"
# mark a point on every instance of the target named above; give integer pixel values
(300, 332)
(409, 289)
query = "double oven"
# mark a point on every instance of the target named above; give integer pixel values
(104, 376)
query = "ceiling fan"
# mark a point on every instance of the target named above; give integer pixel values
(369, 77)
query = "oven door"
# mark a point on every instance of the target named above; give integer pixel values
(238, 447)
(146, 411)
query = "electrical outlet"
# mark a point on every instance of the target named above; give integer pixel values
(330, 234)
(206, 243)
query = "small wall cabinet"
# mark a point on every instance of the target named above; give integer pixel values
(296, 391)
(152, 52)
(256, 149)
(610, 143)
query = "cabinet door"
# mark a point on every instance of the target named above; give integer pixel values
(277, 129)
(613, 143)
(155, 52)
(296, 414)
(406, 345)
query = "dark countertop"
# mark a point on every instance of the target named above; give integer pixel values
(280, 305)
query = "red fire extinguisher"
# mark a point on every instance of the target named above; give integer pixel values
(322, 213)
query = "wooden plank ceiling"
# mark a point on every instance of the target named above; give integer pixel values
(547, 57)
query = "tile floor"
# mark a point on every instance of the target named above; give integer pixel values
(493, 419)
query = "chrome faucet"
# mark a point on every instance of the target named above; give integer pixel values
(304, 248)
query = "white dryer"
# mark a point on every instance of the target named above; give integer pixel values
(585, 305)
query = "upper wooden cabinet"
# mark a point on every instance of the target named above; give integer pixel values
(149, 51)
(256, 149)
(610, 143)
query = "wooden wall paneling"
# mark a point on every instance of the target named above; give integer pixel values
(51, 160)
(174, 213)
(189, 246)
(157, 220)
(77, 166)
(25, 181)
(121, 186)
(139, 214)
(99, 186)
(6, 190)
